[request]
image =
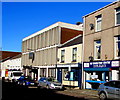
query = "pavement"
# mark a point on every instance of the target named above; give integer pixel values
(87, 94)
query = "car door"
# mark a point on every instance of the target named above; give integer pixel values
(110, 89)
(117, 93)
(44, 82)
(117, 89)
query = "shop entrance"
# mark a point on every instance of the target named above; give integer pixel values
(59, 75)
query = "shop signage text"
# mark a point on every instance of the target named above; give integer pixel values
(102, 64)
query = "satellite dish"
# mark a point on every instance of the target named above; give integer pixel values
(91, 26)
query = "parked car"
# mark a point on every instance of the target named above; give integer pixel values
(109, 90)
(14, 75)
(49, 83)
(26, 80)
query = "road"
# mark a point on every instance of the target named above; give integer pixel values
(12, 91)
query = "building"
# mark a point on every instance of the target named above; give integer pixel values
(69, 65)
(10, 61)
(102, 45)
(39, 50)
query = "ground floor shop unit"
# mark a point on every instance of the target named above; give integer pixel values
(96, 73)
(70, 74)
(35, 72)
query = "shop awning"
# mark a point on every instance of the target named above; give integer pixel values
(96, 69)
(91, 81)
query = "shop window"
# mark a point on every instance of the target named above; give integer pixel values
(66, 74)
(117, 47)
(71, 75)
(51, 73)
(74, 57)
(43, 72)
(118, 16)
(75, 74)
(98, 76)
(98, 22)
(62, 56)
(97, 49)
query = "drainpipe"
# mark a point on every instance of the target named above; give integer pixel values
(83, 81)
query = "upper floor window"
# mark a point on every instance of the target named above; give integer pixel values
(117, 16)
(117, 46)
(74, 57)
(62, 56)
(98, 22)
(97, 49)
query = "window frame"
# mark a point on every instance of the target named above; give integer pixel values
(62, 56)
(116, 12)
(115, 47)
(97, 19)
(95, 53)
(74, 54)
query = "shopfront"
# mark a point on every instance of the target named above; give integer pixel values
(30, 71)
(70, 74)
(96, 73)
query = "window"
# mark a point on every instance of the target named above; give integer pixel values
(66, 74)
(117, 47)
(98, 22)
(97, 49)
(62, 56)
(75, 72)
(74, 58)
(118, 16)
(115, 84)
(111, 84)
(71, 75)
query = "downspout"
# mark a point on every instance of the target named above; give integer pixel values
(82, 83)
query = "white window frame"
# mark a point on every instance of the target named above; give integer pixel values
(116, 12)
(62, 60)
(74, 54)
(98, 20)
(95, 53)
(115, 47)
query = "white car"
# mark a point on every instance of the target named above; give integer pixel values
(14, 75)
(109, 90)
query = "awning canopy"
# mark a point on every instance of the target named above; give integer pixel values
(96, 69)
(91, 81)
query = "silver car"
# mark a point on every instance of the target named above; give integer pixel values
(109, 90)
(49, 83)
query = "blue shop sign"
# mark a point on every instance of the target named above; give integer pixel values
(102, 64)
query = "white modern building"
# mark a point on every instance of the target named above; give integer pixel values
(11, 62)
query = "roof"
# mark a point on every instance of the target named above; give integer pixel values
(4, 55)
(101, 8)
(17, 56)
(61, 24)
(74, 41)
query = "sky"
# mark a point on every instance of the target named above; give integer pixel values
(21, 19)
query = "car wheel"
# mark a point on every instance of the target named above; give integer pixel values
(102, 96)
